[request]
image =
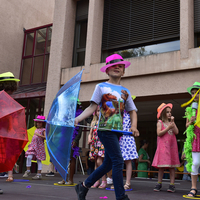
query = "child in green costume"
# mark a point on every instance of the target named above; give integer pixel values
(192, 144)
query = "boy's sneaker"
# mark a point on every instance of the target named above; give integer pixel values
(171, 188)
(50, 174)
(26, 174)
(3, 175)
(109, 181)
(157, 187)
(37, 177)
(81, 191)
(1, 191)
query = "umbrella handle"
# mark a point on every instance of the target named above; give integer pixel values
(114, 130)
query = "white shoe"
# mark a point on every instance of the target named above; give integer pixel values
(26, 174)
(109, 181)
(37, 177)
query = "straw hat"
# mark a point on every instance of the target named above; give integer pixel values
(40, 118)
(196, 85)
(114, 60)
(162, 107)
(8, 76)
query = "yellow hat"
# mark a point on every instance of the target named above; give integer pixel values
(8, 76)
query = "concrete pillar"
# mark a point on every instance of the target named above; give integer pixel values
(186, 27)
(61, 47)
(94, 33)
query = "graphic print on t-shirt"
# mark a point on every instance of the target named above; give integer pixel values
(112, 107)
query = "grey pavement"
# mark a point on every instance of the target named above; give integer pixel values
(46, 190)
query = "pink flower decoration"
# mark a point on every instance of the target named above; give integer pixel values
(105, 197)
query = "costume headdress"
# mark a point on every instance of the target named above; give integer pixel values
(8, 76)
(162, 107)
(40, 118)
(114, 60)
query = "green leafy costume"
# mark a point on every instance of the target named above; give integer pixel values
(189, 139)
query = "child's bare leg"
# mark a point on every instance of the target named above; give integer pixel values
(72, 169)
(160, 174)
(109, 174)
(128, 171)
(99, 163)
(172, 175)
(194, 184)
(10, 174)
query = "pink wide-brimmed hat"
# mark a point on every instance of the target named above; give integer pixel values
(162, 107)
(114, 60)
(40, 118)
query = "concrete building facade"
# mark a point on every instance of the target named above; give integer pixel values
(153, 78)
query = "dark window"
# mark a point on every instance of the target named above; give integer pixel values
(33, 107)
(133, 24)
(80, 33)
(35, 56)
(196, 23)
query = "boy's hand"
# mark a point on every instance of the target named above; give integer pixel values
(134, 131)
(76, 122)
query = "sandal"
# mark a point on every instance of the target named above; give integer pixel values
(69, 183)
(10, 179)
(61, 182)
(127, 186)
(96, 184)
(112, 187)
(103, 185)
(193, 194)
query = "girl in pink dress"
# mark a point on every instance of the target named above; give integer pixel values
(166, 155)
(96, 148)
(36, 148)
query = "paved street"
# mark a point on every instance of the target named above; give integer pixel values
(45, 189)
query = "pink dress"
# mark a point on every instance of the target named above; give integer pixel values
(36, 147)
(167, 151)
(196, 141)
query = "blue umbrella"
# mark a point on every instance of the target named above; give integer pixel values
(60, 124)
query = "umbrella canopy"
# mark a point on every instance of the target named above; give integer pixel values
(30, 132)
(13, 133)
(60, 124)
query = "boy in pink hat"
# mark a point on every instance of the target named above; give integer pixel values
(113, 99)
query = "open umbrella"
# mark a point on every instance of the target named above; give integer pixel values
(13, 133)
(60, 124)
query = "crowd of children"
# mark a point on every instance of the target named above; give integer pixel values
(114, 109)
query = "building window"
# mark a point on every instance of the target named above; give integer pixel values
(35, 56)
(139, 24)
(146, 50)
(196, 23)
(80, 33)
